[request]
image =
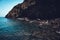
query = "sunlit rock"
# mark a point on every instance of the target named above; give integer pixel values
(20, 18)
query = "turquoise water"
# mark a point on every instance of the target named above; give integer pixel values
(15, 28)
(12, 29)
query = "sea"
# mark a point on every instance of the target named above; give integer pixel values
(12, 29)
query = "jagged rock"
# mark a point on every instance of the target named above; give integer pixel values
(33, 9)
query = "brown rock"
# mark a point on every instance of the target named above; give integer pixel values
(34, 9)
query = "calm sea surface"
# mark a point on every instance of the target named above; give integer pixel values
(11, 29)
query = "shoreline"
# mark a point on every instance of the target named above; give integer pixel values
(42, 22)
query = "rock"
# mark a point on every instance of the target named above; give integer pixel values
(14, 13)
(33, 9)
(20, 18)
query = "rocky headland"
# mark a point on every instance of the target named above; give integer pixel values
(41, 13)
(35, 9)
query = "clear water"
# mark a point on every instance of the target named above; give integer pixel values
(15, 29)
(12, 29)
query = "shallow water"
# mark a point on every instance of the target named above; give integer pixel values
(12, 29)
(15, 29)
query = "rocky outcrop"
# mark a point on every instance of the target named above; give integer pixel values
(34, 9)
(14, 12)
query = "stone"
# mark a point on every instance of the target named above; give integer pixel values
(33, 9)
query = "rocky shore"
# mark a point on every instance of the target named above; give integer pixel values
(54, 22)
(39, 15)
(11, 29)
(49, 29)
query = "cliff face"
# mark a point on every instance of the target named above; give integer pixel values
(33, 9)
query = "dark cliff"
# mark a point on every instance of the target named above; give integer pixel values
(33, 9)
